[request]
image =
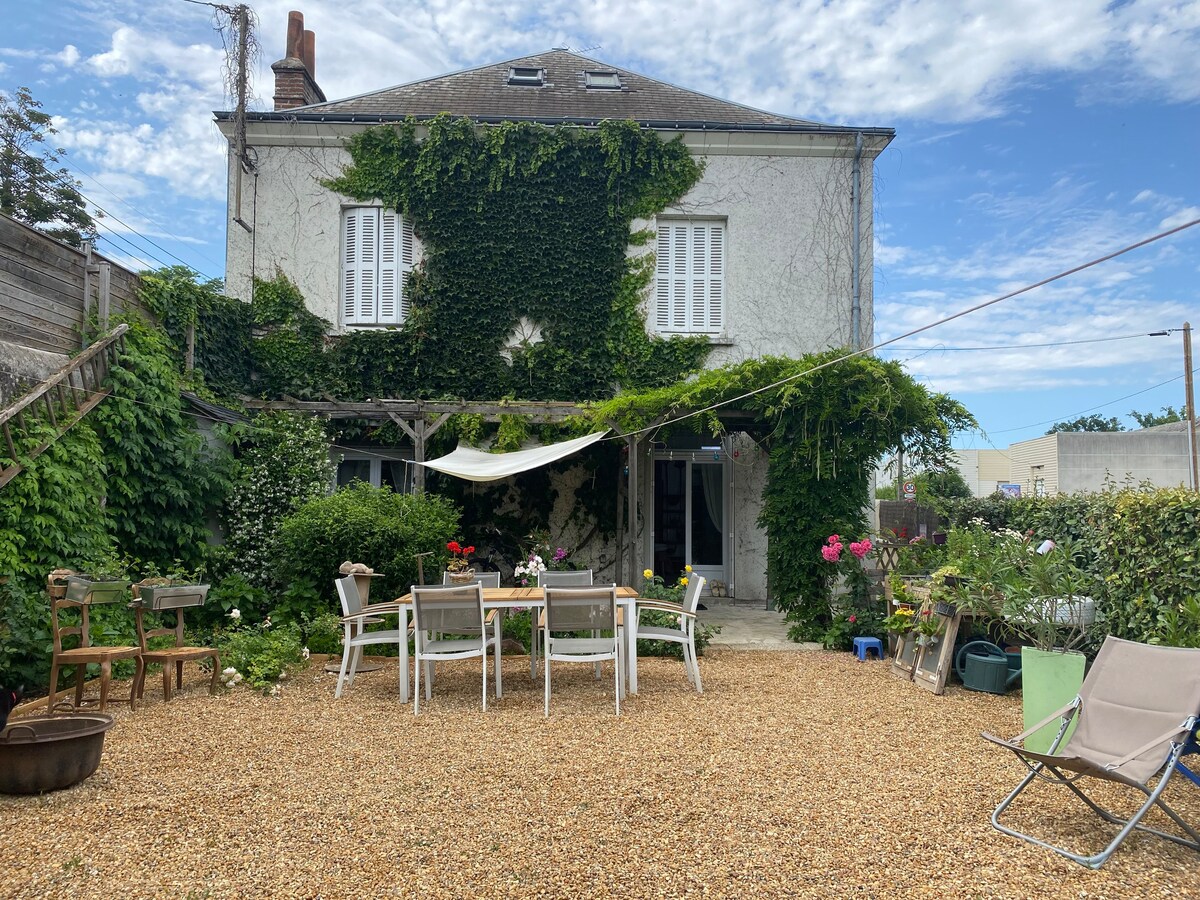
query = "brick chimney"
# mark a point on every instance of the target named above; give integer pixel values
(295, 74)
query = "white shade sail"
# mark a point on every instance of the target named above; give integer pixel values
(478, 465)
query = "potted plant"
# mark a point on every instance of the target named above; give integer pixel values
(928, 627)
(1046, 605)
(459, 567)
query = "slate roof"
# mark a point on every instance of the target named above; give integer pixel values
(485, 94)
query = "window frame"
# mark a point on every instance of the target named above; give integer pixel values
(377, 254)
(679, 286)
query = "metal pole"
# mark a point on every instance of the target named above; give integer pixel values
(1191, 404)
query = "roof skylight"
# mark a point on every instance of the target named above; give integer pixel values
(526, 76)
(609, 81)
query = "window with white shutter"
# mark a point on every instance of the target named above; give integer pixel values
(377, 258)
(689, 282)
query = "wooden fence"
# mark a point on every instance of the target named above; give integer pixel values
(47, 289)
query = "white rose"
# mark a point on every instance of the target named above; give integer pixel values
(235, 614)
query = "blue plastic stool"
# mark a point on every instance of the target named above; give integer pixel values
(863, 645)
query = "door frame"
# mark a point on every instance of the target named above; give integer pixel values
(713, 454)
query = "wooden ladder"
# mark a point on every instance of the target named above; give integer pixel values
(60, 401)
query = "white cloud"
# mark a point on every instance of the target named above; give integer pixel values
(1187, 214)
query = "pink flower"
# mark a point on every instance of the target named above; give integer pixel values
(852, 619)
(832, 553)
(861, 548)
(833, 539)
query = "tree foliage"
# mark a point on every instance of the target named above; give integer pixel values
(1168, 415)
(1093, 422)
(34, 187)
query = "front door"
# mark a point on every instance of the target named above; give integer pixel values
(689, 517)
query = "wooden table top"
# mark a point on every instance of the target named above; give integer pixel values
(523, 594)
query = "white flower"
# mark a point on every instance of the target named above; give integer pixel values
(305, 653)
(235, 614)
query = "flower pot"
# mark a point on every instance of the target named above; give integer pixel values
(945, 608)
(1050, 679)
(462, 576)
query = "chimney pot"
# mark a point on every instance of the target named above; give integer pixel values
(310, 53)
(295, 35)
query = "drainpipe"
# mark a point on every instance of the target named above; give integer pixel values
(855, 277)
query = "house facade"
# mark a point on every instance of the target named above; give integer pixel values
(770, 253)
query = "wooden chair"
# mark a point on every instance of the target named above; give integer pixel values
(70, 592)
(177, 598)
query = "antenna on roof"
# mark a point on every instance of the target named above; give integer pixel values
(586, 49)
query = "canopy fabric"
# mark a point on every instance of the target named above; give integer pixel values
(478, 465)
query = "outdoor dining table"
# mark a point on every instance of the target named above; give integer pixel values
(524, 598)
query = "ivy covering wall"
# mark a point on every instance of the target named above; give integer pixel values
(521, 221)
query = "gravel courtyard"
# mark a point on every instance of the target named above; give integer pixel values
(794, 774)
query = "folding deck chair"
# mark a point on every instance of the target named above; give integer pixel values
(1135, 711)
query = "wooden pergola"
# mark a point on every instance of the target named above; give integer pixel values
(421, 419)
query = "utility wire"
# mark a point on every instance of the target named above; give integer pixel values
(1122, 337)
(915, 331)
(67, 181)
(1067, 417)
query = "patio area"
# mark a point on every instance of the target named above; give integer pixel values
(794, 774)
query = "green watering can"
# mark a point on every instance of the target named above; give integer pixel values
(982, 666)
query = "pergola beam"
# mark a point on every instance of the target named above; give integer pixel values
(384, 410)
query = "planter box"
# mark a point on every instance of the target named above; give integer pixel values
(93, 591)
(172, 596)
(1076, 611)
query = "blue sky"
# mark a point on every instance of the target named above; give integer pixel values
(1031, 138)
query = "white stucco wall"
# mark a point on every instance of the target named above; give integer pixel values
(788, 239)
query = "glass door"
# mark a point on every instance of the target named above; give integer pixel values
(689, 517)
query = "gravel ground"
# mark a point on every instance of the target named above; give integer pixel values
(797, 774)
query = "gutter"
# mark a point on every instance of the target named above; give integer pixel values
(855, 260)
(668, 124)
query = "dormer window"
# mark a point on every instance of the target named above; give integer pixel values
(602, 81)
(527, 77)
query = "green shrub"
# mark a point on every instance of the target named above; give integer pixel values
(323, 633)
(363, 524)
(25, 642)
(262, 653)
(284, 463)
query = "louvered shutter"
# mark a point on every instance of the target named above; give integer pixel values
(714, 313)
(407, 255)
(662, 279)
(389, 268)
(358, 265)
(690, 277)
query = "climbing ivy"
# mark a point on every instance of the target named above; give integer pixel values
(163, 479)
(824, 425)
(223, 337)
(520, 222)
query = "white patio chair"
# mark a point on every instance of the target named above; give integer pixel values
(355, 619)
(564, 578)
(442, 610)
(685, 634)
(493, 617)
(574, 609)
